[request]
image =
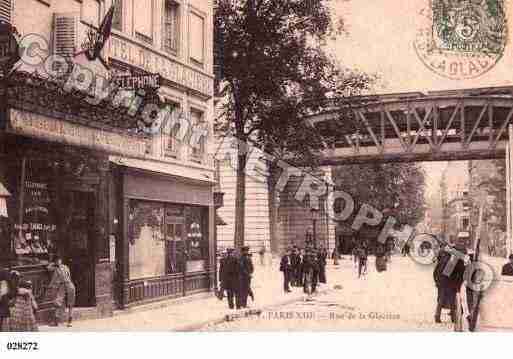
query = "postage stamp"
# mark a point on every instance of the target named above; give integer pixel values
(461, 39)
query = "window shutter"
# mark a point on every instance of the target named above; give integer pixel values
(65, 34)
(6, 10)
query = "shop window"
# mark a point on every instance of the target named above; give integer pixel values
(166, 239)
(196, 38)
(171, 21)
(146, 238)
(117, 19)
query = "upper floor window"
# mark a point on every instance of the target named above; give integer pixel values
(117, 19)
(196, 38)
(198, 140)
(171, 27)
(143, 20)
(6, 10)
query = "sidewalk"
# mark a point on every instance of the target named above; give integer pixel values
(267, 285)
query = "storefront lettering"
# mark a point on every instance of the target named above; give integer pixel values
(39, 126)
(155, 63)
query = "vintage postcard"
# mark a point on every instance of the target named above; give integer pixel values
(255, 166)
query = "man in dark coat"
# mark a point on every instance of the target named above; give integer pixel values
(6, 295)
(295, 260)
(287, 269)
(245, 273)
(323, 260)
(448, 285)
(361, 255)
(229, 276)
(310, 271)
(507, 269)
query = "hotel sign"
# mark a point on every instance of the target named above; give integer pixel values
(50, 129)
(153, 62)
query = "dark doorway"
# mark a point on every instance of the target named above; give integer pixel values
(80, 254)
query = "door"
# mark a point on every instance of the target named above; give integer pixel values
(81, 247)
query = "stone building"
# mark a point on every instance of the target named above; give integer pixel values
(129, 207)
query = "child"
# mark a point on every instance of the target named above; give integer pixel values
(23, 318)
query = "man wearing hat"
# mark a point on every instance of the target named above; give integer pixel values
(286, 268)
(245, 273)
(507, 269)
(229, 276)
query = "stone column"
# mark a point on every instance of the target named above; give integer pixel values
(103, 270)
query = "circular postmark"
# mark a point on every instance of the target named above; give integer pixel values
(461, 39)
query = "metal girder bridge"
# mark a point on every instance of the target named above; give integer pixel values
(441, 126)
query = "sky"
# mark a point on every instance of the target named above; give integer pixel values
(380, 40)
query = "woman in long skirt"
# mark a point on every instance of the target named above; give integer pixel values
(61, 291)
(23, 317)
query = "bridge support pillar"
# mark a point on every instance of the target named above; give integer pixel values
(509, 191)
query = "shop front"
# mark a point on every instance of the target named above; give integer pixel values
(168, 236)
(56, 206)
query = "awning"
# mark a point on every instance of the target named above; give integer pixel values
(220, 221)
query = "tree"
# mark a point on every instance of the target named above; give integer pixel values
(274, 73)
(390, 185)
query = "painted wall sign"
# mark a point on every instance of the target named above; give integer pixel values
(40, 126)
(136, 82)
(133, 54)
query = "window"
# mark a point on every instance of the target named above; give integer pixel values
(465, 223)
(6, 10)
(143, 20)
(90, 12)
(166, 238)
(171, 27)
(196, 38)
(171, 140)
(117, 19)
(198, 138)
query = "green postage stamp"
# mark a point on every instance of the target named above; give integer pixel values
(461, 39)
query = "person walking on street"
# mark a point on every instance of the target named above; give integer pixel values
(286, 268)
(61, 291)
(229, 276)
(507, 269)
(323, 261)
(362, 255)
(245, 272)
(448, 285)
(335, 256)
(295, 262)
(261, 253)
(23, 312)
(7, 293)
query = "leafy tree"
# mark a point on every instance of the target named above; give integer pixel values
(390, 185)
(274, 73)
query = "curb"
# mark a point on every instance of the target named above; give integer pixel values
(233, 317)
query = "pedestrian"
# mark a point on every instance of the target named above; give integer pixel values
(322, 262)
(245, 273)
(300, 270)
(448, 285)
(507, 269)
(7, 293)
(23, 311)
(287, 269)
(381, 258)
(361, 255)
(308, 271)
(261, 253)
(334, 256)
(61, 291)
(295, 260)
(229, 276)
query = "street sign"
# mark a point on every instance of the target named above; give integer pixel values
(136, 82)
(9, 50)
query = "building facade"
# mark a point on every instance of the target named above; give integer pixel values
(129, 206)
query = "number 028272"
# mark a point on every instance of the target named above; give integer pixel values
(22, 346)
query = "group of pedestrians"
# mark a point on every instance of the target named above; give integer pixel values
(304, 268)
(18, 305)
(235, 273)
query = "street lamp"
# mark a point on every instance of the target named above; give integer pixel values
(314, 213)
